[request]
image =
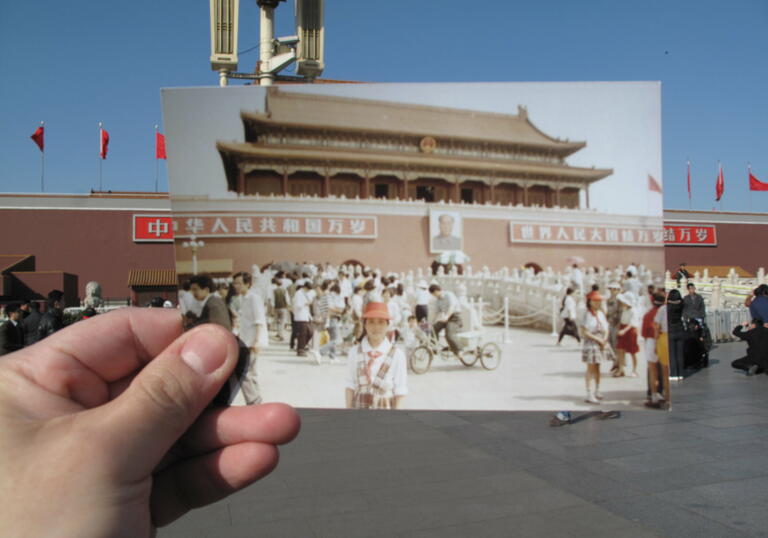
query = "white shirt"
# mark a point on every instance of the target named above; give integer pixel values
(301, 306)
(395, 380)
(357, 305)
(251, 314)
(569, 308)
(346, 288)
(188, 303)
(596, 324)
(661, 318)
(422, 297)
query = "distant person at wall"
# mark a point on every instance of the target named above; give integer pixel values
(446, 240)
(756, 337)
(682, 273)
(11, 330)
(568, 315)
(53, 319)
(30, 323)
(758, 307)
(693, 306)
(377, 373)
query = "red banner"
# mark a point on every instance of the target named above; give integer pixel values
(691, 235)
(276, 225)
(152, 228)
(585, 235)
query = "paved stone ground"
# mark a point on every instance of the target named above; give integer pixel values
(534, 374)
(699, 470)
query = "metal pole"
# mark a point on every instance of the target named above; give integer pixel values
(222, 77)
(267, 35)
(42, 164)
(506, 320)
(554, 315)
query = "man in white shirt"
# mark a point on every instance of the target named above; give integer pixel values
(252, 332)
(302, 317)
(422, 301)
(377, 373)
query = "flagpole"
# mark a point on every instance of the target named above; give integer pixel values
(749, 197)
(99, 155)
(157, 161)
(689, 184)
(42, 165)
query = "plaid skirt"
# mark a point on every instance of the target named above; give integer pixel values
(592, 354)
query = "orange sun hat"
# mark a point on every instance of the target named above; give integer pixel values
(376, 311)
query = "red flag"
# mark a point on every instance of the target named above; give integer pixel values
(160, 146)
(653, 184)
(39, 138)
(755, 184)
(104, 143)
(720, 184)
(689, 180)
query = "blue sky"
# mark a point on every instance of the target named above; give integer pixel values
(74, 65)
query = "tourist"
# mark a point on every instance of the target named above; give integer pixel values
(626, 336)
(53, 318)
(11, 330)
(661, 330)
(30, 323)
(302, 316)
(336, 308)
(447, 317)
(252, 331)
(376, 368)
(612, 309)
(648, 334)
(758, 307)
(677, 334)
(213, 308)
(281, 302)
(693, 306)
(756, 337)
(422, 301)
(568, 315)
(596, 348)
(681, 273)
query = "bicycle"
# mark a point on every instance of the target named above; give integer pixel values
(488, 354)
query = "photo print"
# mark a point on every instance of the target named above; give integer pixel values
(427, 246)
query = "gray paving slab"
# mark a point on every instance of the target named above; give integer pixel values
(694, 471)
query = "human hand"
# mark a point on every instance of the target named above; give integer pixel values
(105, 430)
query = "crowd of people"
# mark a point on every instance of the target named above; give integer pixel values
(326, 312)
(668, 327)
(25, 324)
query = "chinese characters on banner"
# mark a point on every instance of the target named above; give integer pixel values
(275, 225)
(152, 229)
(697, 234)
(585, 235)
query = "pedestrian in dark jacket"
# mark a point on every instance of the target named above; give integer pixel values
(11, 332)
(53, 319)
(756, 337)
(30, 324)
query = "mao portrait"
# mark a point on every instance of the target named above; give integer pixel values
(445, 231)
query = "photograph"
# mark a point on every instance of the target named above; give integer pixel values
(447, 246)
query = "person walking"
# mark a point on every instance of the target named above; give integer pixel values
(677, 334)
(568, 315)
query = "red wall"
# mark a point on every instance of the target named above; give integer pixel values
(92, 244)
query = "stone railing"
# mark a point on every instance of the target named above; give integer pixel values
(728, 292)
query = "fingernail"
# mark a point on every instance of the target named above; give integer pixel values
(204, 351)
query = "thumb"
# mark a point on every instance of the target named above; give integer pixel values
(168, 395)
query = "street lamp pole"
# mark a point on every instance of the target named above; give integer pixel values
(194, 245)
